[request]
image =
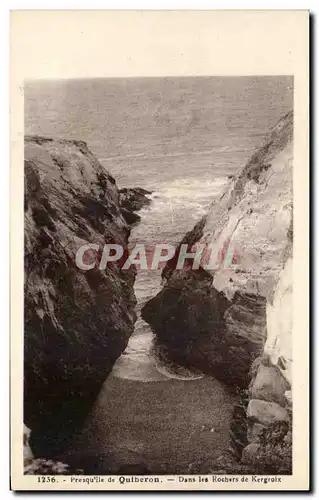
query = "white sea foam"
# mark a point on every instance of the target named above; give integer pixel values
(176, 372)
(176, 206)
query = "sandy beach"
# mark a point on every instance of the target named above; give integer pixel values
(160, 426)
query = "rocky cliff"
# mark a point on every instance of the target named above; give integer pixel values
(77, 323)
(235, 322)
(217, 319)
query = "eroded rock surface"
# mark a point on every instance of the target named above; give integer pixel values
(269, 385)
(134, 199)
(217, 319)
(77, 323)
(131, 201)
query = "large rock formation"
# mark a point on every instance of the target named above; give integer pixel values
(217, 319)
(77, 323)
(131, 201)
(134, 199)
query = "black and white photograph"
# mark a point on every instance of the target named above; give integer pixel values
(138, 364)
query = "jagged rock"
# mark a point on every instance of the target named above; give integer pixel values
(44, 466)
(269, 458)
(133, 199)
(269, 385)
(275, 433)
(288, 438)
(264, 360)
(255, 432)
(130, 217)
(266, 413)
(216, 319)
(77, 323)
(250, 453)
(41, 465)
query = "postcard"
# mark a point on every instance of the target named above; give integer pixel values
(159, 250)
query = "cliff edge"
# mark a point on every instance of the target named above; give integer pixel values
(77, 323)
(235, 321)
(216, 320)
